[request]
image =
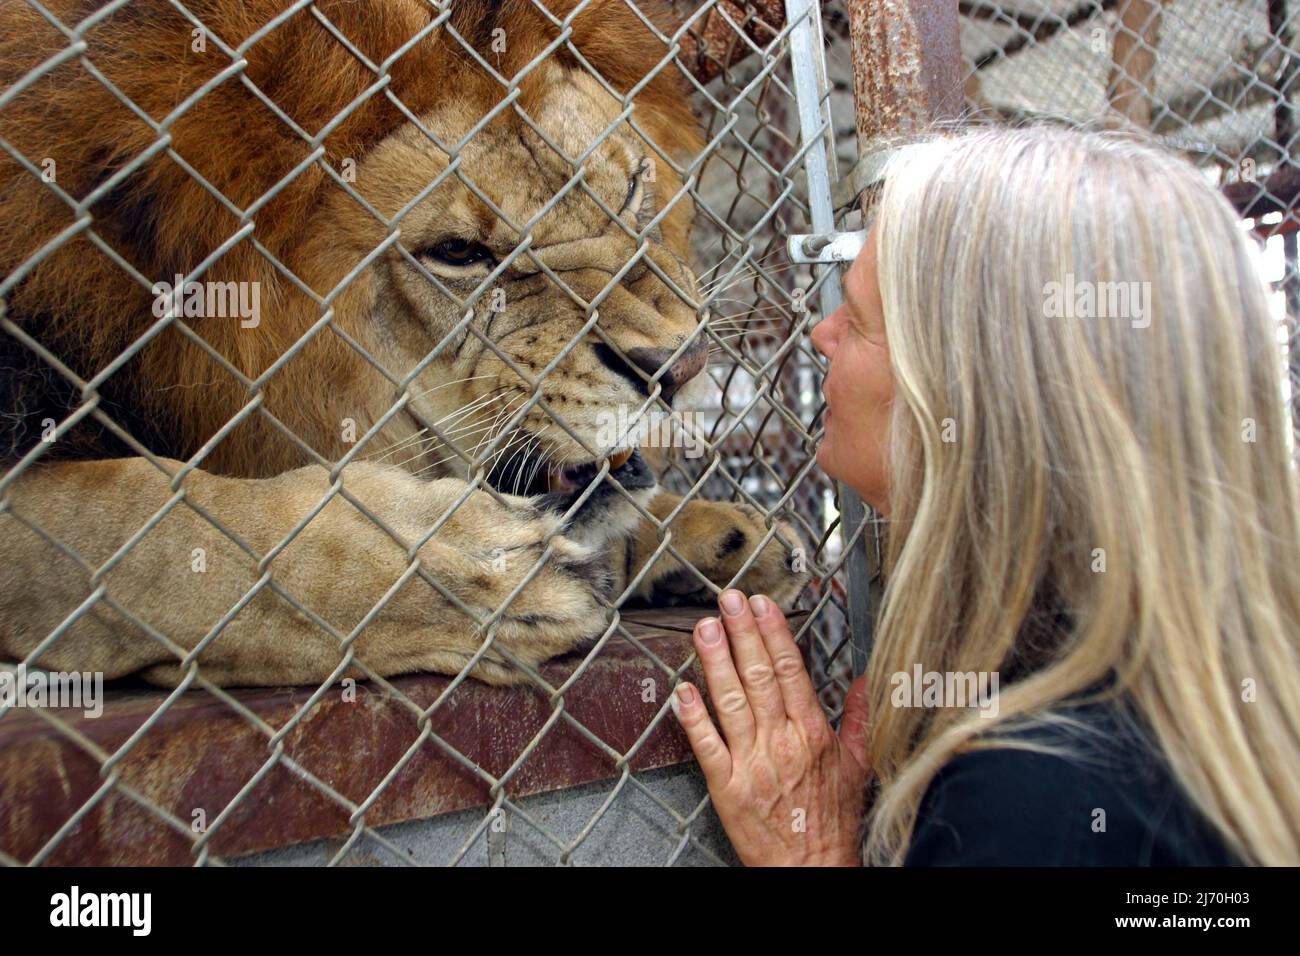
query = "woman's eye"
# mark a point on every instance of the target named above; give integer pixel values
(459, 252)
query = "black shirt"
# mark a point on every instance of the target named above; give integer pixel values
(1115, 804)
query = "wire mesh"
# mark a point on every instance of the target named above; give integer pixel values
(1214, 81)
(756, 410)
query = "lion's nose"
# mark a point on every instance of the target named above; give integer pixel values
(688, 365)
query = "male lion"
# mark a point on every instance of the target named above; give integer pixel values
(255, 491)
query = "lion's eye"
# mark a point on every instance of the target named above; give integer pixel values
(633, 190)
(459, 252)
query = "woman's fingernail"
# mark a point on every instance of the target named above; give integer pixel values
(680, 697)
(710, 632)
(733, 602)
(759, 605)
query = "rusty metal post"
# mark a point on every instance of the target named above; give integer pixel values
(906, 65)
(1130, 83)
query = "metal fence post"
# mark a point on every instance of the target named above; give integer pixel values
(906, 73)
(907, 68)
(811, 89)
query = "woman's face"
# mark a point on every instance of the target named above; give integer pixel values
(859, 388)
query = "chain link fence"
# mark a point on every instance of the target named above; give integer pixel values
(85, 210)
(1214, 81)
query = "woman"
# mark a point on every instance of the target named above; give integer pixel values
(1055, 373)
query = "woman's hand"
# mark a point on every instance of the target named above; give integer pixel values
(786, 787)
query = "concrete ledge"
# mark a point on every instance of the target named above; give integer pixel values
(587, 825)
(203, 762)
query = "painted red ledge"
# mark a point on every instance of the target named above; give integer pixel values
(201, 753)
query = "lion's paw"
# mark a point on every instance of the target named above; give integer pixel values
(510, 558)
(718, 539)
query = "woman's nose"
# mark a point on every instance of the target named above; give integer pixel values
(820, 337)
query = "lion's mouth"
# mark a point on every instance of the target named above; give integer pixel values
(575, 478)
(528, 476)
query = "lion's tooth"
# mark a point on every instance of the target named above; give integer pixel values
(554, 479)
(618, 461)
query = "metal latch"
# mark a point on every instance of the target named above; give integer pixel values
(826, 247)
(844, 246)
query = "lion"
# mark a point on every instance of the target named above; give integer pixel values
(392, 464)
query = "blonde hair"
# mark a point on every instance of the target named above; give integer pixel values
(1131, 470)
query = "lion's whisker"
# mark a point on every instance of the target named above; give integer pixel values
(748, 322)
(459, 381)
(529, 450)
(382, 453)
(751, 333)
(399, 445)
(495, 461)
(492, 429)
(537, 444)
(471, 406)
(455, 454)
(755, 276)
(545, 461)
(486, 428)
(743, 258)
(465, 430)
(749, 304)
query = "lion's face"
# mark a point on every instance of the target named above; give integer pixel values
(623, 259)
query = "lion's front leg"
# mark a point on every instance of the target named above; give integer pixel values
(717, 538)
(308, 593)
